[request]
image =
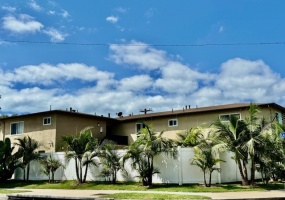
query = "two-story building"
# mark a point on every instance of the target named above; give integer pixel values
(177, 121)
(48, 127)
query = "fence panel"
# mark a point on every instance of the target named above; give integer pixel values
(171, 170)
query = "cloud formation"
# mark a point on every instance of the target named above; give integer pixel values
(21, 24)
(138, 54)
(55, 35)
(112, 19)
(9, 8)
(32, 4)
(158, 81)
(46, 74)
(65, 14)
(24, 24)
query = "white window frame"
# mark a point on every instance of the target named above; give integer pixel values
(19, 131)
(229, 116)
(174, 122)
(141, 127)
(48, 120)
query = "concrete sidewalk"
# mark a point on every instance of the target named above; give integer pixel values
(97, 194)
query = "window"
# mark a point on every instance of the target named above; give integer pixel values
(226, 117)
(17, 128)
(47, 121)
(139, 126)
(173, 122)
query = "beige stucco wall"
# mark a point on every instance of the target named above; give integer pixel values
(50, 136)
(185, 122)
(72, 125)
(46, 139)
(33, 127)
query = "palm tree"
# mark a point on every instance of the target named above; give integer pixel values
(142, 152)
(50, 166)
(190, 138)
(205, 159)
(245, 138)
(9, 159)
(271, 154)
(232, 135)
(111, 160)
(206, 145)
(27, 150)
(82, 148)
(257, 128)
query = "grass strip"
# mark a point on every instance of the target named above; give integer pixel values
(138, 187)
(153, 196)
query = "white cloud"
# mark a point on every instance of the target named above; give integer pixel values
(55, 35)
(138, 54)
(51, 12)
(32, 4)
(208, 96)
(243, 79)
(112, 19)
(21, 24)
(45, 74)
(136, 83)
(9, 8)
(179, 78)
(240, 73)
(175, 76)
(168, 84)
(239, 80)
(65, 14)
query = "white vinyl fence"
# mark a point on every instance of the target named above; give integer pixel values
(172, 170)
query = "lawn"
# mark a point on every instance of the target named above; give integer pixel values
(153, 196)
(138, 187)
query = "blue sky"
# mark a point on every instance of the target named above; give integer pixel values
(122, 56)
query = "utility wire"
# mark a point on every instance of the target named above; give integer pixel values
(139, 44)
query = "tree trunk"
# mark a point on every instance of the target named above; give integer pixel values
(24, 173)
(52, 176)
(80, 171)
(114, 176)
(252, 171)
(85, 174)
(49, 177)
(204, 172)
(144, 181)
(210, 179)
(262, 176)
(241, 171)
(150, 171)
(28, 172)
(245, 171)
(77, 170)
